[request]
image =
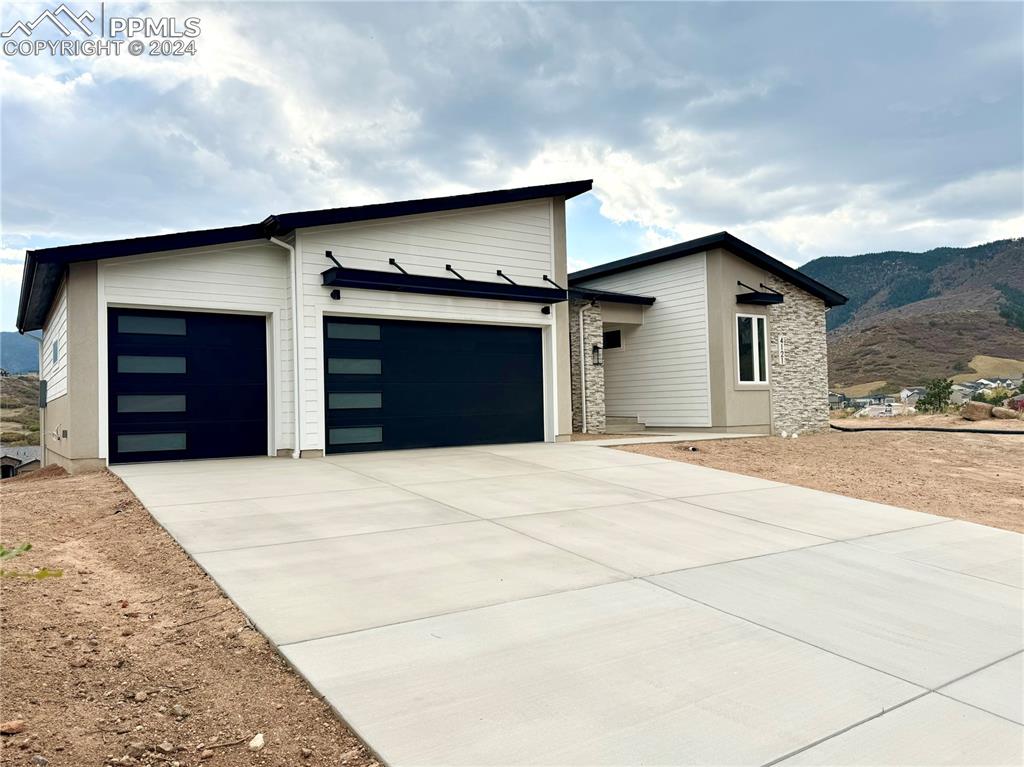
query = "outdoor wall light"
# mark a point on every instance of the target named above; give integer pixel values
(598, 355)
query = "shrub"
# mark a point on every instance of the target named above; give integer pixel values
(936, 396)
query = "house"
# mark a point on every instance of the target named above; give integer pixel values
(428, 322)
(910, 395)
(706, 334)
(423, 323)
(837, 401)
(19, 460)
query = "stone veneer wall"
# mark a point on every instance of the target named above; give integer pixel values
(799, 387)
(593, 335)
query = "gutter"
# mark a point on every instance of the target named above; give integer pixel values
(296, 340)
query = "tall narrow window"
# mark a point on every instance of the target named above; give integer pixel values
(55, 352)
(751, 349)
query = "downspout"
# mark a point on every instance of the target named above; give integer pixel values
(42, 410)
(296, 342)
(583, 374)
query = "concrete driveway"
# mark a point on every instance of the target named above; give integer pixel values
(578, 605)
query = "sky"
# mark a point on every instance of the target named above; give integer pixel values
(806, 129)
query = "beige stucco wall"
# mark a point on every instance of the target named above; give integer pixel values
(735, 406)
(70, 423)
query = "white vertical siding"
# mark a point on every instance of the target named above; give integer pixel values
(516, 238)
(250, 278)
(56, 331)
(660, 375)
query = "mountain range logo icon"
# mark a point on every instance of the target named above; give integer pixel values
(54, 16)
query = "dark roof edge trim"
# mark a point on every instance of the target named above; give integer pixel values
(592, 294)
(287, 222)
(719, 240)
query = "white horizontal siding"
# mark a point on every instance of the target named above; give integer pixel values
(247, 278)
(661, 375)
(516, 238)
(56, 331)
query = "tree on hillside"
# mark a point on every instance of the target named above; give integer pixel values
(936, 396)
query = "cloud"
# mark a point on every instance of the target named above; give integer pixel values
(809, 129)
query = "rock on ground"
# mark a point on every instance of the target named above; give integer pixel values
(1004, 412)
(976, 411)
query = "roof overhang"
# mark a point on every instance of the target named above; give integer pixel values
(593, 294)
(366, 279)
(44, 268)
(720, 240)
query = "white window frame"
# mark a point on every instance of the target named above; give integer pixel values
(758, 341)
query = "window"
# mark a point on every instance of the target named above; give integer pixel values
(751, 349)
(140, 364)
(149, 325)
(150, 403)
(356, 435)
(353, 400)
(336, 366)
(56, 352)
(612, 339)
(353, 332)
(145, 443)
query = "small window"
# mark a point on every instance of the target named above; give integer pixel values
(612, 339)
(357, 367)
(147, 443)
(356, 435)
(55, 350)
(357, 400)
(140, 364)
(150, 403)
(149, 325)
(352, 332)
(751, 349)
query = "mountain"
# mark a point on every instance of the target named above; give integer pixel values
(915, 316)
(18, 353)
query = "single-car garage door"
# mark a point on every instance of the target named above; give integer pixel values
(391, 384)
(186, 385)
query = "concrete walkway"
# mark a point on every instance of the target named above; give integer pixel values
(577, 605)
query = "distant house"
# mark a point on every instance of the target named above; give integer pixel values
(837, 400)
(18, 460)
(911, 395)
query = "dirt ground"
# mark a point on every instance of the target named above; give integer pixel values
(976, 477)
(133, 656)
(932, 421)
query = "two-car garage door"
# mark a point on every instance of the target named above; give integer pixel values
(396, 384)
(194, 385)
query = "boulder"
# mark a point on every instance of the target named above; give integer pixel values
(1004, 412)
(976, 411)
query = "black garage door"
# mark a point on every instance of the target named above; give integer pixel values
(186, 385)
(396, 384)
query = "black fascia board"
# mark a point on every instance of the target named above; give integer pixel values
(592, 294)
(283, 223)
(368, 279)
(719, 240)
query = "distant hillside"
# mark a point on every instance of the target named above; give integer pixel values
(914, 316)
(18, 354)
